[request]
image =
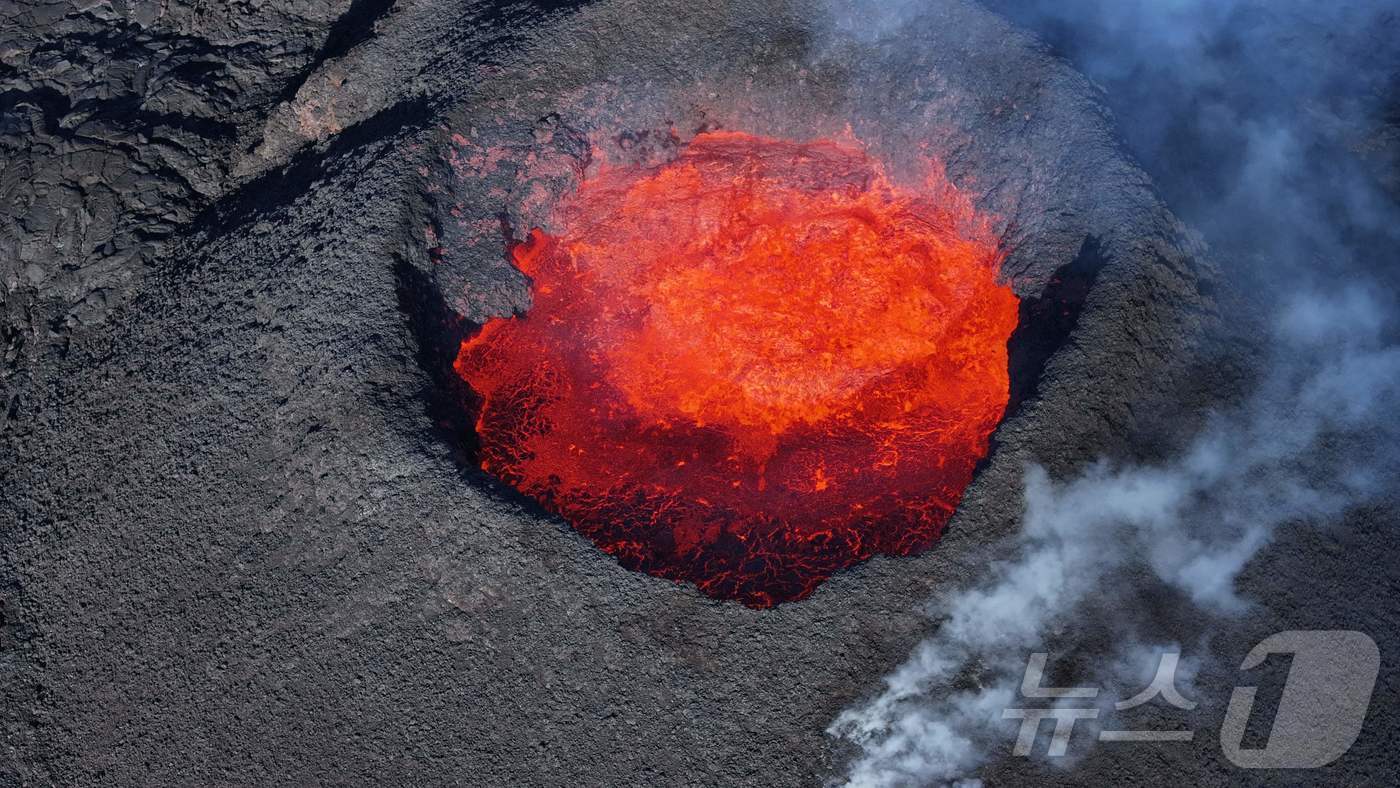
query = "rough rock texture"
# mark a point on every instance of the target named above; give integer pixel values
(238, 549)
(120, 122)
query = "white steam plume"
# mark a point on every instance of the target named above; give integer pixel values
(1196, 521)
(1247, 114)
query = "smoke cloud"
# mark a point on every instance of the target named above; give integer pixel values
(1248, 115)
(1196, 521)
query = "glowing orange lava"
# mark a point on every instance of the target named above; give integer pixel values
(752, 366)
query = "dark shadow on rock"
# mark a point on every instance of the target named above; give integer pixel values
(1044, 324)
(439, 332)
(1047, 321)
(451, 404)
(266, 194)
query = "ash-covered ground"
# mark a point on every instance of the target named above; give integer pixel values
(243, 545)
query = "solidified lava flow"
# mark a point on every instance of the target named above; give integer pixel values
(752, 366)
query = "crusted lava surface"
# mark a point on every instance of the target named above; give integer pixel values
(751, 366)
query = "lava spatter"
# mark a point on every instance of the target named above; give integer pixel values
(752, 366)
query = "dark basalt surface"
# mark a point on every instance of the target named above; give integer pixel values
(238, 546)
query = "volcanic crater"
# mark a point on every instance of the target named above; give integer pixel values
(354, 567)
(747, 363)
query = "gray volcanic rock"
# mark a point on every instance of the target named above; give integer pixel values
(238, 549)
(120, 121)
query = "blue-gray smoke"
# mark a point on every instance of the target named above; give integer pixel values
(1262, 122)
(1196, 520)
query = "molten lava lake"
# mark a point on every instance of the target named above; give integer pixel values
(752, 366)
